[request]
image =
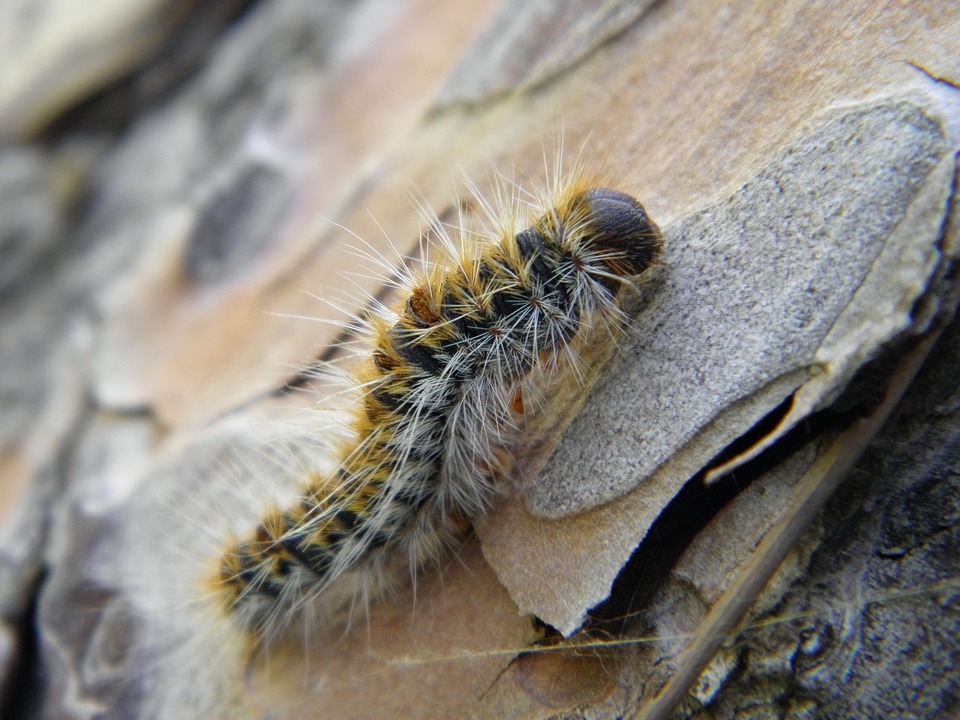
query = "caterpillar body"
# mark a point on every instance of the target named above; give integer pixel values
(440, 394)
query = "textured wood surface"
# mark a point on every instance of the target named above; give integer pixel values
(176, 194)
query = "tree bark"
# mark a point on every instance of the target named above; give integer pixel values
(180, 182)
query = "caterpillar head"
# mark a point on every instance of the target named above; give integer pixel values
(618, 230)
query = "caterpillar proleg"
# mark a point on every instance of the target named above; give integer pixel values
(440, 395)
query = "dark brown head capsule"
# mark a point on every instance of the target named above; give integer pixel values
(620, 229)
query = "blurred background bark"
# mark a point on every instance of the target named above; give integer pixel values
(174, 180)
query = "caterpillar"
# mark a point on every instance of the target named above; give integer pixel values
(440, 397)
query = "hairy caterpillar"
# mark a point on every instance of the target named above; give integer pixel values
(440, 395)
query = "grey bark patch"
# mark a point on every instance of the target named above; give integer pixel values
(30, 214)
(754, 285)
(237, 224)
(530, 43)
